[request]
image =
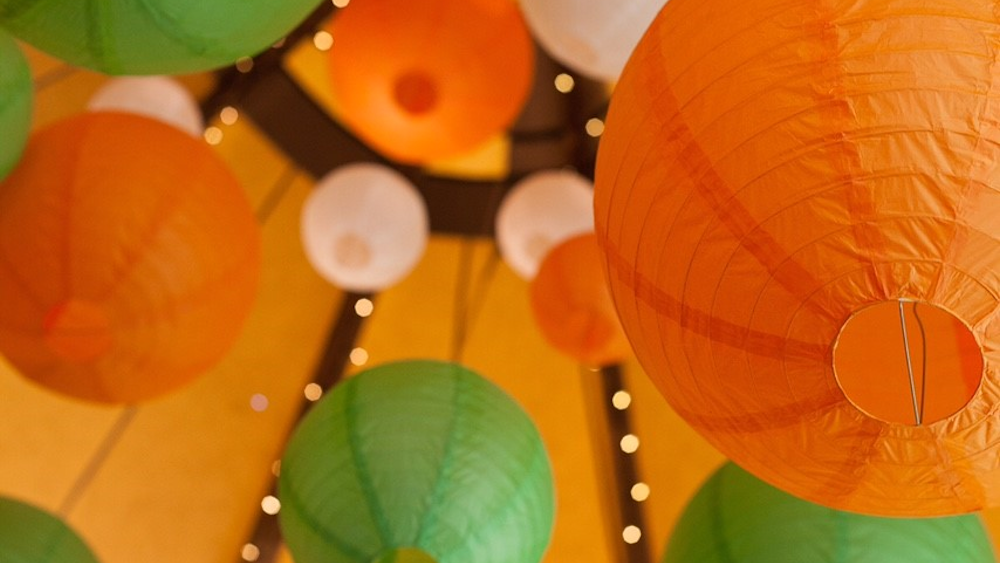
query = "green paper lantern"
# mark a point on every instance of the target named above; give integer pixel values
(416, 462)
(30, 535)
(152, 36)
(15, 103)
(737, 518)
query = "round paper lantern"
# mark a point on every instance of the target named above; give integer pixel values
(15, 103)
(538, 213)
(30, 535)
(571, 303)
(364, 227)
(157, 97)
(152, 36)
(593, 37)
(736, 518)
(130, 258)
(419, 461)
(771, 178)
(421, 81)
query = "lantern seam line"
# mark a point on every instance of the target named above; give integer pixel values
(429, 520)
(717, 519)
(293, 502)
(538, 460)
(361, 463)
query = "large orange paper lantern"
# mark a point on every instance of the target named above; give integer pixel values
(130, 258)
(421, 81)
(778, 184)
(572, 306)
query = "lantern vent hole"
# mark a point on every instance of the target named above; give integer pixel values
(415, 92)
(352, 251)
(907, 362)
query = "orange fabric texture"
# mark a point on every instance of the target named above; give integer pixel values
(770, 168)
(129, 258)
(572, 306)
(421, 81)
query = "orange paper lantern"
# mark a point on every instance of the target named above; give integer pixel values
(777, 184)
(572, 306)
(129, 258)
(421, 81)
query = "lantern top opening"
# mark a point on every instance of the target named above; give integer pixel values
(907, 362)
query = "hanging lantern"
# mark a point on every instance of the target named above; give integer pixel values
(15, 103)
(771, 182)
(421, 81)
(540, 212)
(570, 300)
(130, 258)
(736, 518)
(416, 461)
(157, 97)
(592, 37)
(152, 36)
(364, 227)
(30, 535)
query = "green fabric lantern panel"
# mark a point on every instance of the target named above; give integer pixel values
(15, 103)
(30, 535)
(737, 518)
(416, 462)
(152, 36)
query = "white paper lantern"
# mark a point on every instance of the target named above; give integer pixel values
(541, 211)
(158, 97)
(592, 37)
(364, 227)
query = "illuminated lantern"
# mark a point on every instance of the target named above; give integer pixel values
(30, 535)
(541, 211)
(421, 81)
(152, 36)
(422, 462)
(570, 300)
(364, 227)
(15, 103)
(736, 518)
(769, 184)
(593, 37)
(130, 258)
(157, 97)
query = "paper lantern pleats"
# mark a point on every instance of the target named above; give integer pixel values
(571, 304)
(416, 461)
(364, 227)
(769, 171)
(15, 103)
(538, 213)
(593, 37)
(157, 97)
(421, 81)
(152, 36)
(31, 535)
(736, 518)
(129, 258)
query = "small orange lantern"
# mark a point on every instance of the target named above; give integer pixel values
(421, 81)
(129, 257)
(570, 300)
(779, 185)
